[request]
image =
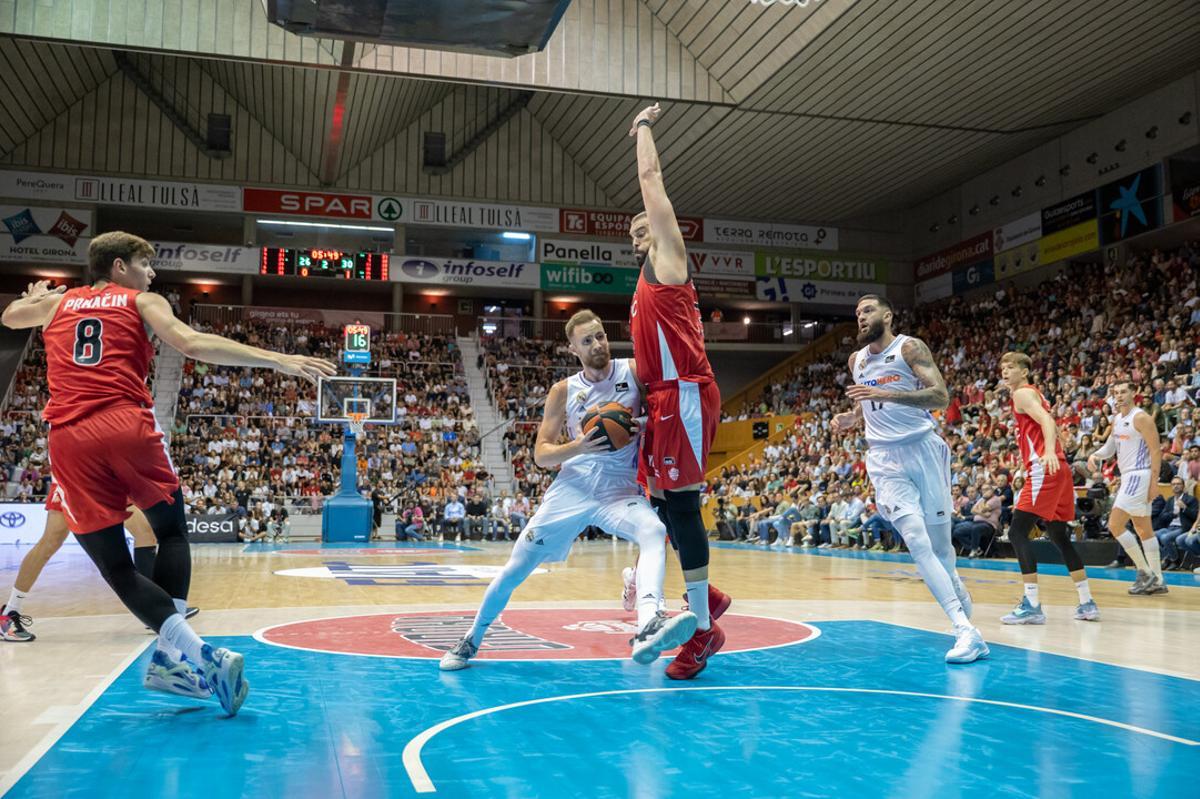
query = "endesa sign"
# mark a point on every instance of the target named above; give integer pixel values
(309, 203)
(616, 223)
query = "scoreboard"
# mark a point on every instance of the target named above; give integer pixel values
(324, 263)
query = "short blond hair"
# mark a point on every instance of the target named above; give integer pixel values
(580, 318)
(1017, 359)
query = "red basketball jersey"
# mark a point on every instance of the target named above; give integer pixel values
(1029, 433)
(668, 336)
(97, 354)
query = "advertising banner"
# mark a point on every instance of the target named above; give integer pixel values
(971, 251)
(780, 289)
(44, 235)
(723, 286)
(820, 266)
(23, 522)
(1070, 242)
(491, 216)
(586, 277)
(602, 253)
(966, 278)
(580, 222)
(209, 258)
(1021, 231)
(212, 528)
(328, 318)
(165, 194)
(769, 234)
(1184, 170)
(459, 272)
(721, 262)
(1131, 205)
(1069, 213)
(1017, 260)
(938, 288)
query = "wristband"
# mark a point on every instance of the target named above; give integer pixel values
(645, 122)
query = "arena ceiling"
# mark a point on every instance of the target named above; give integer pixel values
(837, 111)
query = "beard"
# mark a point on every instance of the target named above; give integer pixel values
(872, 334)
(640, 257)
(597, 362)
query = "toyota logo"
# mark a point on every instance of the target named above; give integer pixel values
(421, 270)
(12, 519)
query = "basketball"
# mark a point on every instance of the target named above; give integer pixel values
(615, 420)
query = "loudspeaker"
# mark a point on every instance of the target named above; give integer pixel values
(218, 134)
(435, 149)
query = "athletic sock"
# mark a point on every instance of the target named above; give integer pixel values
(179, 634)
(15, 598)
(697, 594)
(1085, 592)
(1153, 558)
(1129, 542)
(170, 649)
(647, 609)
(1031, 593)
(143, 560)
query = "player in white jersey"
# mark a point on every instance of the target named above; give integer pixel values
(1134, 440)
(896, 384)
(595, 486)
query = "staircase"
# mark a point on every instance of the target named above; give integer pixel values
(487, 417)
(168, 376)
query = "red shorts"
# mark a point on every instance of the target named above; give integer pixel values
(1049, 497)
(54, 497)
(105, 461)
(682, 419)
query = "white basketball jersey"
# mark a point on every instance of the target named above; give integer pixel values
(1133, 453)
(582, 395)
(890, 422)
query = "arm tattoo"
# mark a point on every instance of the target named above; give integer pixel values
(934, 396)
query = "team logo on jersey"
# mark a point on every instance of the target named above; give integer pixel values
(581, 397)
(889, 359)
(881, 381)
(669, 461)
(673, 473)
(622, 387)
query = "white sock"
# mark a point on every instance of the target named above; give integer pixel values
(1085, 593)
(1031, 593)
(520, 565)
(937, 580)
(1153, 558)
(697, 594)
(651, 568)
(15, 598)
(179, 634)
(166, 646)
(1129, 542)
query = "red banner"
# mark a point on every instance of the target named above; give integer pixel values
(307, 203)
(616, 224)
(965, 252)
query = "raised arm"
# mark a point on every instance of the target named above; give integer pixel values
(547, 452)
(157, 313)
(670, 261)
(35, 308)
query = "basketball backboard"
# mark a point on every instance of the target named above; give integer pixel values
(338, 398)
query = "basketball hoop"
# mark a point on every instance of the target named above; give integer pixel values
(356, 420)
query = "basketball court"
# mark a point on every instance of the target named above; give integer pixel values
(831, 657)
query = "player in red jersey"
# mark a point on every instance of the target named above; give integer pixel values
(683, 402)
(1048, 496)
(106, 448)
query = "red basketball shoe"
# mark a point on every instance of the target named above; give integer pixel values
(718, 602)
(693, 656)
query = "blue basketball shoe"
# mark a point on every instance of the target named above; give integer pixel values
(173, 677)
(1025, 613)
(1087, 611)
(223, 671)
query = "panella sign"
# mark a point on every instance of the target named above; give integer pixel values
(308, 203)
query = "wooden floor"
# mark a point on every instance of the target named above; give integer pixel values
(85, 637)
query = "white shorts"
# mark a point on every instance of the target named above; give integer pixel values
(913, 477)
(567, 509)
(1131, 497)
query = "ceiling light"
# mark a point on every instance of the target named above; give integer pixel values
(1016, 192)
(1041, 181)
(1152, 133)
(974, 209)
(1120, 146)
(995, 200)
(1092, 158)
(508, 234)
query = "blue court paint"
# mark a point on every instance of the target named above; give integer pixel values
(1093, 572)
(321, 725)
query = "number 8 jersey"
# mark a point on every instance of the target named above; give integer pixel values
(97, 354)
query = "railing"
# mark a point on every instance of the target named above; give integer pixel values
(427, 324)
(504, 327)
